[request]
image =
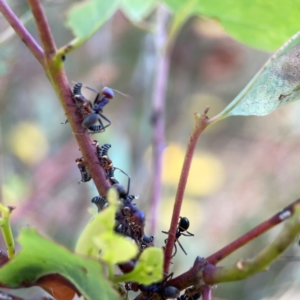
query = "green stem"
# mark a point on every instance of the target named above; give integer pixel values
(6, 230)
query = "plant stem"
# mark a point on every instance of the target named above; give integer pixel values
(43, 28)
(158, 112)
(206, 292)
(246, 268)
(199, 127)
(22, 32)
(6, 230)
(205, 270)
(252, 234)
(55, 71)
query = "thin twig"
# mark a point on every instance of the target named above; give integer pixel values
(251, 235)
(246, 268)
(208, 273)
(43, 28)
(158, 112)
(22, 32)
(206, 292)
(199, 127)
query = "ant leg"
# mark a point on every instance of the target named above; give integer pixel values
(128, 184)
(109, 122)
(181, 247)
(175, 247)
(189, 234)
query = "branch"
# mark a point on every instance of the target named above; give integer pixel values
(246, 268)
(43, 28)
(199, 127)
(22, 32)
(158, 112)
(252, 234)
(205, 273)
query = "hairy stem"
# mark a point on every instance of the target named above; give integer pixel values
(199, 127)
(158, 112)
(22, 32)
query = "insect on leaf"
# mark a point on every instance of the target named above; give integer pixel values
(275, 85)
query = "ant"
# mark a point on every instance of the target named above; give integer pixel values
(183, 226)
(92, 113)
(84, 171)
(167, 292)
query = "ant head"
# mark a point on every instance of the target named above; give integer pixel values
(184, 224)
(108, 92)
(123, 193)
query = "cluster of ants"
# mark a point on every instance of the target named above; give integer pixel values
(130, 221)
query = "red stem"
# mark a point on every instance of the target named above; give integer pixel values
(158, 111)
(200, 125)
(206, 292)
(22, 32)
(43, 28)
(249, 236)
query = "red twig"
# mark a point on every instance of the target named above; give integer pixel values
(22, 32)
(249, 236)
(200, 125)
(206, 292)
(43, 28)
(158, 111)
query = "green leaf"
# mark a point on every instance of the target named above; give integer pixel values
(183, 11)
(115, 248)
(263, 24)
(175, 5)
(275, 85)
(99, 240)
(137, 10)
(40, 257)
(85, 18)
(149, 268)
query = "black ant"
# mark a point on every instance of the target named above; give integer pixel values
(84, 171)
(167, 292)
(183, 226)
(93, 113)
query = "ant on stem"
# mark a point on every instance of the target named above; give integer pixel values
(183, 226)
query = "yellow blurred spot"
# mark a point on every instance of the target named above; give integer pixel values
(28, 143)
(206, 173)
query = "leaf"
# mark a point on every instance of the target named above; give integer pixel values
(40, 257)
(149, 268)
(183, 11)
(263, 24)
(137, 10)
(85, 18)
(115, 248)
(277, 84)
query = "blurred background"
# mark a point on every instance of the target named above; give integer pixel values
(245, 169)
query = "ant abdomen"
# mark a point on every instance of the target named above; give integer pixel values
(90, 120)
(100, 202)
